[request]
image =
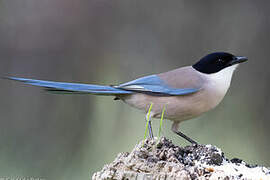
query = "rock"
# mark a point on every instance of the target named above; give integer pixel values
(161, 159)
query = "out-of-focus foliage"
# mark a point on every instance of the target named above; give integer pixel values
(108, 42)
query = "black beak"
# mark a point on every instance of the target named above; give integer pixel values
(238, 59)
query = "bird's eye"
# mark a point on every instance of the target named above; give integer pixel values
(220, 60)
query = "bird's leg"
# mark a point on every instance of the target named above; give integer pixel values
(149, 125)
(175, 127)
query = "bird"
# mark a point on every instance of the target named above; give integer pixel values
(185, 93)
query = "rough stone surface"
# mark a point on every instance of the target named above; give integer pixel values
(161, 159)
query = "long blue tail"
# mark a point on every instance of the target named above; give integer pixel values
(61, 87)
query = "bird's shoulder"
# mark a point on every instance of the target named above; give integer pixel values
(184, 77)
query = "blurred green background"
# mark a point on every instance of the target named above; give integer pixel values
(109, 42)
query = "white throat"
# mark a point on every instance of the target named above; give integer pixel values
(224, 74)
(221, 80)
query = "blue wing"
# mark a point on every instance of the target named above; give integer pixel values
(154, 85)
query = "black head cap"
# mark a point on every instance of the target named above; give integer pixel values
(217, 61)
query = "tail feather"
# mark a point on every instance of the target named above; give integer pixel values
(62, 87)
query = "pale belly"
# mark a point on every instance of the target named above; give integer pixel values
(177, 108)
